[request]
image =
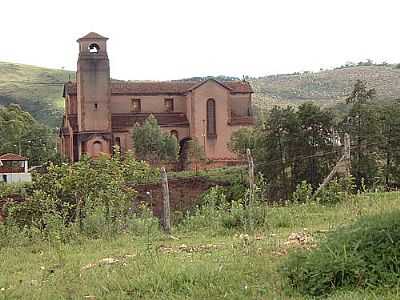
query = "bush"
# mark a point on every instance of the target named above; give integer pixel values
(337, 191)
(90, 197)
(219, 213)
(303, 192)
(365, 254)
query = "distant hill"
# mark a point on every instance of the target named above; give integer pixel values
(38, 90)
(327, 88)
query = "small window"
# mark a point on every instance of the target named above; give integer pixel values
(95, 106)
(136, 105)
(169, 105)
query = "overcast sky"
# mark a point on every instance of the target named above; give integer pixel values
(171, 39)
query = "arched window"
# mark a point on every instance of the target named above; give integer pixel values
(211, 118)
(97, 149)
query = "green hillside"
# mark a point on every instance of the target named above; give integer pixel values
(38, 90)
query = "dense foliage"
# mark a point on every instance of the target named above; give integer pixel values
(21, 133)
(365, 254)
(80, 194)
(289, 147)
(303, 144)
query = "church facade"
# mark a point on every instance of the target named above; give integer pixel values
(101, 113)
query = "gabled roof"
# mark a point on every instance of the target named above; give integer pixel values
(93, 36)
(208, 80)
(164, 87)
(12, 157)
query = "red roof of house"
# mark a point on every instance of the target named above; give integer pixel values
(12, 157)
(163, 87)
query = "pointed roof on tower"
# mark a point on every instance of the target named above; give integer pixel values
(93, 36)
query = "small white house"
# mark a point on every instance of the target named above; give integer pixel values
(14, 168)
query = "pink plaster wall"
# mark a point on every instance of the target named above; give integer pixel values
(150, 104)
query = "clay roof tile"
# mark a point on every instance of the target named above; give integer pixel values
(163, 87)
(12, 157)
(92, 35)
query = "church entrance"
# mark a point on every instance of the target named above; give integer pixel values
(183, 159)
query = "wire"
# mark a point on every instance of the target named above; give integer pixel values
(302, 158)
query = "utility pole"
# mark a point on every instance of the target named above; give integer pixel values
(251, 175)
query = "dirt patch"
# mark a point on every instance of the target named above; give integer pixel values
(188, 249)
(301, 240)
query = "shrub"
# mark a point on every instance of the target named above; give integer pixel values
(219, 213)
(337, 191)
(303, 192)
(92, 194)
(365, 254)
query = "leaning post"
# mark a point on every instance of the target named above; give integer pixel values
(166, 216)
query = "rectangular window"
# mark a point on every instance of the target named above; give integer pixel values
(136, 105)
(169, 105)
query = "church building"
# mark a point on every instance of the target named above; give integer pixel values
(101, 113)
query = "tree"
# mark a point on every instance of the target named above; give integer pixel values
(296, 146)
(195, 152)
(362, 123)
(21, 133)
(316, 139)
(151, 144)
(242, 139)
(275, 148)
(390, 118)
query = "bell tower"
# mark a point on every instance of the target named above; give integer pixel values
(93, 97)
(93, 84)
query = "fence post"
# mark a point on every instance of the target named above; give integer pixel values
(166, 216)
(347, 153)
(251, 175)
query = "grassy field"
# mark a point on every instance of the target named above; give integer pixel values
(196, 262)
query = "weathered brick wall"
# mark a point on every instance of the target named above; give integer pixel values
(185, 193)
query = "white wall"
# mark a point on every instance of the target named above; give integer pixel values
(15, 177)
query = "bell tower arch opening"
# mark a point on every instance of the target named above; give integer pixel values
(94, 48)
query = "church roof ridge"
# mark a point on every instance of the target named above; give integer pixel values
(92, 35)
(142, 87)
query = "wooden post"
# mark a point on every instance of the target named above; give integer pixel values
(347, 153)
(166, 217)
(251, 175)
(345, 161)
